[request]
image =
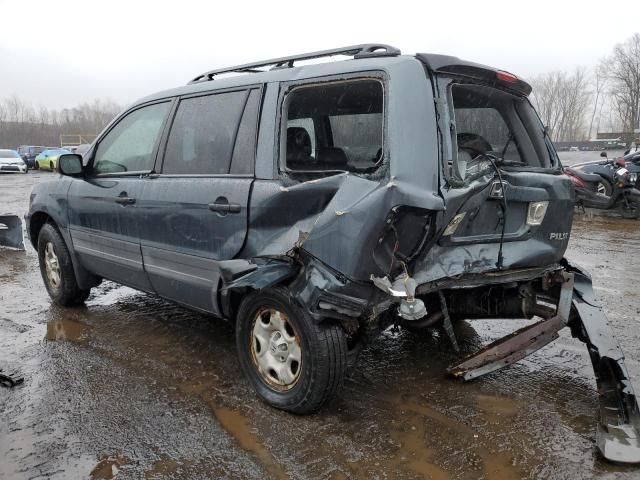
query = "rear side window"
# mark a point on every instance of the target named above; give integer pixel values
(203, 133)
(335, 126)
(244, 151)
(129, 146)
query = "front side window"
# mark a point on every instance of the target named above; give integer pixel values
(130, 145)
(202, 135)
(335, 126)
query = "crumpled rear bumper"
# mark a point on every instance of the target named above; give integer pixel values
(618, 431)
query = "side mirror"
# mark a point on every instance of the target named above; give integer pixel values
(70, 164)
(603, 154)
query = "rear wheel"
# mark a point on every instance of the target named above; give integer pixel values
(292, 362)
(57, 270)
(603, 187)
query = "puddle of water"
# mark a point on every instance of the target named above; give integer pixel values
(164, 468)
(108, 468)
(66, 329)
(429, 432)
(237, 425)
(495, 406)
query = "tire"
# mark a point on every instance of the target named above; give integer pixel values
(35, 165)
(604, 188)
(51, 166)
(65, 290)
(631, 212)
(322, 352)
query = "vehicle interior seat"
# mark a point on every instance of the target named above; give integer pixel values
(332, 158)
(299, 149)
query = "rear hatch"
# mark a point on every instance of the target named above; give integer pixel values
(508, 206)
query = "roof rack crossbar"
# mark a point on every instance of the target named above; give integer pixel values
(365, 50)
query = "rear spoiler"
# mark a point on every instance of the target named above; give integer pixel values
(444, 64)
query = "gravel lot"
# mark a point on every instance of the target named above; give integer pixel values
(135, 387)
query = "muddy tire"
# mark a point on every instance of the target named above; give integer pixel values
(293, 363)
(56, 268)
(630, 211)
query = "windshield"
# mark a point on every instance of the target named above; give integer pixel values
(491, 125)
(55, 152)
(9, 154)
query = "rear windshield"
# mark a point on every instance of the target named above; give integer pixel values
(491, 125)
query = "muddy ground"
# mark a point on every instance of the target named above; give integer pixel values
(133, 386)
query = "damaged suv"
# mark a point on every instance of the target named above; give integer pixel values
(316, 204)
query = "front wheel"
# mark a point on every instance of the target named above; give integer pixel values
(292, 362)
(57, 270)
(629, 208)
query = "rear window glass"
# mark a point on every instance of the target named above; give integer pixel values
(245, 150)
(335, 126)
(203, 133)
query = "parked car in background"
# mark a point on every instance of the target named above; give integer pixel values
(48, 159)
(28, 153)
(10, 161)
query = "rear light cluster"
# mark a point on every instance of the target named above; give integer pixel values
(536, 212)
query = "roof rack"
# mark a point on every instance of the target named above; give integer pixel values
(365, 50)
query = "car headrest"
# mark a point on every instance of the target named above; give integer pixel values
(332, 157)
(298, 143)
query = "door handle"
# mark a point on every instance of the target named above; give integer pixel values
(225, 208)
(123, 199)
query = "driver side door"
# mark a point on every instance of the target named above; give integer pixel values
(103, 206)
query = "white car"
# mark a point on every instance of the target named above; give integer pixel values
(10, 161)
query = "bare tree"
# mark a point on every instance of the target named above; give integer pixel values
(562, 101)
(599, 85)
(21, 123)
(624, 74)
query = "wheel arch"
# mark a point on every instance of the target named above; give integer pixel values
(37, 220)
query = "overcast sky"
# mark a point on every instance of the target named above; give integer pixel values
(61, 53)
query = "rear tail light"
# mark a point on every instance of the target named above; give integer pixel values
(536, 212)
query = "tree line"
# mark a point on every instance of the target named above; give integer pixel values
(23, 124)
(576, 105)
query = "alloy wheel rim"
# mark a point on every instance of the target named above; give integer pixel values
(275, 349)
(52, 265)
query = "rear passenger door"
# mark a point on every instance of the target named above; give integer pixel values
(194, 211)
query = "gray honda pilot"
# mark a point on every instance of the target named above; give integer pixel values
(316, 204)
